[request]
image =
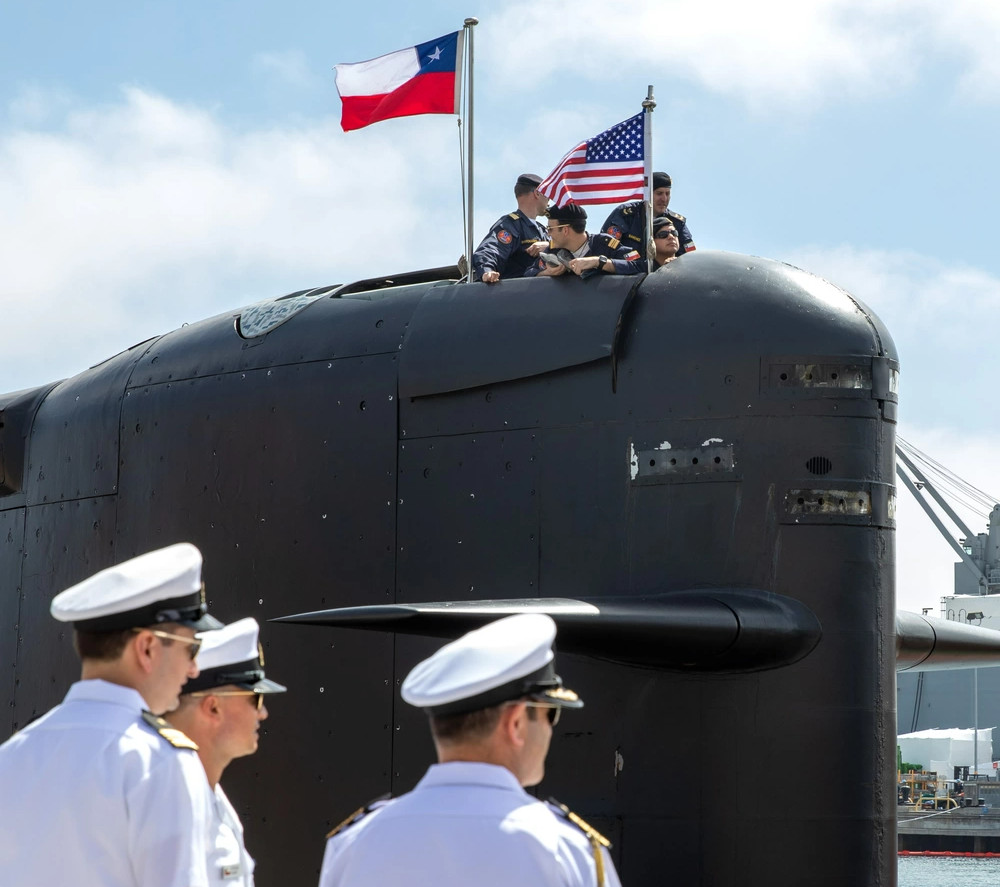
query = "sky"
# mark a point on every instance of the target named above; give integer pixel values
(161, 163)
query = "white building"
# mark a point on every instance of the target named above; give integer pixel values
(943, 750)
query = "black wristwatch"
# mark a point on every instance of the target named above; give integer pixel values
(601, 262)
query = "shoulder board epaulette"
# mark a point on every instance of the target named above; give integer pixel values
(174, 736)
(581, 824)
(674, 215)
(613, 242)
(628, 209)
(514, 216)
(597, 840)
(359, 814)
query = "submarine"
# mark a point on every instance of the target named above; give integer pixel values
(692, 471)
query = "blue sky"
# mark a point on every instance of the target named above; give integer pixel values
(160, 163)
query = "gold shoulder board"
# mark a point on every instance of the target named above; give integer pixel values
(174, 736)
(357, 815)
(597, 840)
(354, 817)
(614, 243)
(581, 824)
(514, 216)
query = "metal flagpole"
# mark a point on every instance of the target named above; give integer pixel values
(470, 23)
(647, 149)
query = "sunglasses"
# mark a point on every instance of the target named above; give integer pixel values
(664, 233)
(552, 712)
(552, 228)
(258, 700)
(194, 644)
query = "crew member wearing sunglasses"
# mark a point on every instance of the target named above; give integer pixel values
(666, 241)
(492, 698)
(221, 710)
(101, 791)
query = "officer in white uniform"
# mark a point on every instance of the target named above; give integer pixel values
(221, 711)
(493, 697)
(101, 791)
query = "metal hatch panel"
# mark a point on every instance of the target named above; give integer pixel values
(328, 328)
(17, 413)
(87, 410)
(467, 336)
(11, 558)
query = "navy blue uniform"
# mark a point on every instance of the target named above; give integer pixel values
(503, 249)
(625, 259)
(628, 223)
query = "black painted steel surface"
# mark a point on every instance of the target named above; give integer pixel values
(728, 427)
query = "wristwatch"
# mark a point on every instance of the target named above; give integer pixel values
(601, 262)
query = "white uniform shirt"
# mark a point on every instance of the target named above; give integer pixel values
(92, 795)
(464, 824)
(229, 864)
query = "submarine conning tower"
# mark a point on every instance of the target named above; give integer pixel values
(683, 444)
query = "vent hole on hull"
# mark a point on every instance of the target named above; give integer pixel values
(819, 465)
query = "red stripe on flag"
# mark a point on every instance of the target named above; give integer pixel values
(608, 168)
(424, 94)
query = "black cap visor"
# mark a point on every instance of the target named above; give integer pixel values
(246, 675)
(188, 610)
(543, 685)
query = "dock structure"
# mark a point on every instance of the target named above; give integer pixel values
(960, 830)
(965, 829)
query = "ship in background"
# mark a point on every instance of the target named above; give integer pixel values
(963, 697)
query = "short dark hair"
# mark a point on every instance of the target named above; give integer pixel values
(105, 646)
(467, 726)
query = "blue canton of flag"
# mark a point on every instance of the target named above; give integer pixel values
(608, 168)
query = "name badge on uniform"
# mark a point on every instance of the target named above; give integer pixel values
(230, 872)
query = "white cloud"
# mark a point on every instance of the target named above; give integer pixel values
(127, 220)
(34, 106)
(968, 31)
(772, 54)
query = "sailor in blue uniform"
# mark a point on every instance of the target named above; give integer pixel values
(516, 238)
(100, 791)
(573, 249)
(492, 698)
(627, 222)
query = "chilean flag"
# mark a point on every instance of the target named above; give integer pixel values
(423, 79)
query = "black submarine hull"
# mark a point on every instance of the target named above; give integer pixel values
(727, 423)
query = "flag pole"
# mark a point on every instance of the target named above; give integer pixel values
(647, 149)
(470, 23)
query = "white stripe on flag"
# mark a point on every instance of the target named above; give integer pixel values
(378, 76)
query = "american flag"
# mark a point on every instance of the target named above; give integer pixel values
(605, 169)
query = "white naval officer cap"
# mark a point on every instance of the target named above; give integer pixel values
(153, 588)
(232, 655)
(508, 659)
